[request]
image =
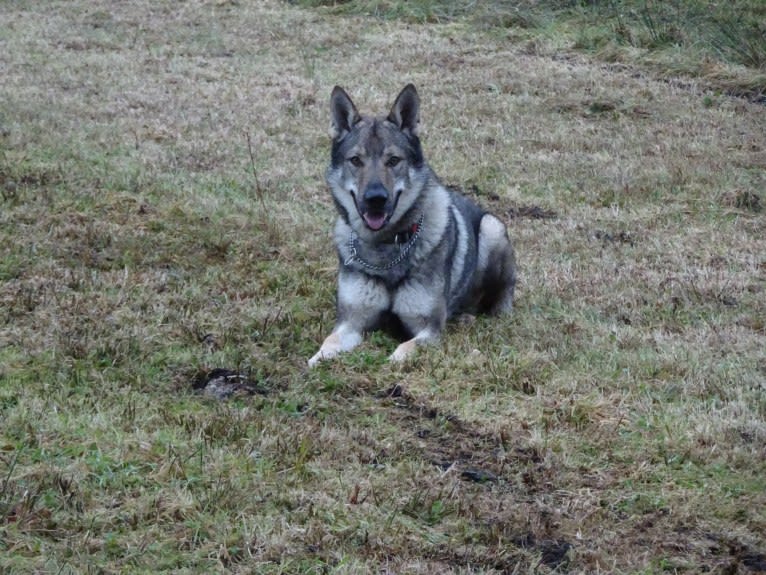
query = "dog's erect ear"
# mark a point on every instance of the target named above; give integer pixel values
(405, 112)
(344, 113)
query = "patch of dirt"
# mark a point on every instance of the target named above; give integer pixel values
(553, 554)
(596, 107)
(474, 191)
(743, 200)
(742, 555)
(448, 443)
(221, 383)
(621, 237)
(531, 212)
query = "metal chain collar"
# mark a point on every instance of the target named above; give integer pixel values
(403, 253)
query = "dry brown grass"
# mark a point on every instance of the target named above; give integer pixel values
(615, 424)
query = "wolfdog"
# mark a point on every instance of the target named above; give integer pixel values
(412, 252)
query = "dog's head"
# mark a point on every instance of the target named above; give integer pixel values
(375, 160)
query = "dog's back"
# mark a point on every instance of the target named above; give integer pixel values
(487, 280)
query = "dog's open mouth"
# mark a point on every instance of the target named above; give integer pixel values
(378, 213)
(375, 220)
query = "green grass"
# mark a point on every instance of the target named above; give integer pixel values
(162, 214)
(721, 43)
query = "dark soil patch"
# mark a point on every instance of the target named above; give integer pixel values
(743, 200)
(221, 383)
(621, 237)
(445, 441)
(553, 553)
(531, 212)
(475, 192)
(742, 555)
(525, 551)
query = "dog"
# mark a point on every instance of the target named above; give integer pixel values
(412, 253)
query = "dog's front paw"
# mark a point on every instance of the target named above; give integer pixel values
(319, 356)
(404, 351)
(341, 339)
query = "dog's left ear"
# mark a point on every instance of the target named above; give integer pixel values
(405, 112)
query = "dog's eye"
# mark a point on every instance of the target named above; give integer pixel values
(356, 161)
(393, 161)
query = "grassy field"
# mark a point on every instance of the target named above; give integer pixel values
(163, 217)
(720, 44)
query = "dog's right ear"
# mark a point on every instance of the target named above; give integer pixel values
(344, 113)
(405, 112)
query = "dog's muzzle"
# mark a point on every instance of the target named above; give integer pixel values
(375, 208)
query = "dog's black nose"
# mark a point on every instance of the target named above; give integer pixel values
(376, 195)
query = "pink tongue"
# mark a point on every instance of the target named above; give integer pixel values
(375, 221)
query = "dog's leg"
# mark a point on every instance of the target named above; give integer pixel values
(361, 301)
(343, 338)
(406, 350)
(423, 312)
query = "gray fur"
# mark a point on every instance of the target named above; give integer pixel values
(458, 260)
